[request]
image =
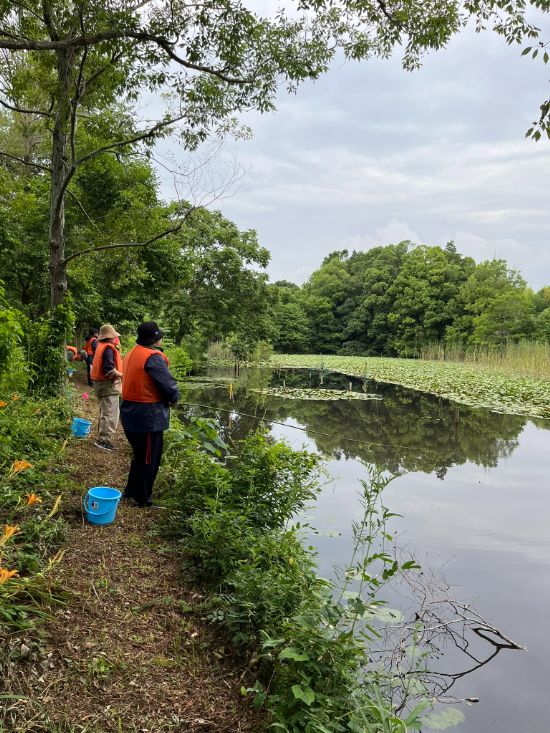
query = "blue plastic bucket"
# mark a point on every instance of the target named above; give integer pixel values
(100, 504)
(80, 427)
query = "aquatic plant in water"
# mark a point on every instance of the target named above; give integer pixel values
(294, 393)
(465, 383)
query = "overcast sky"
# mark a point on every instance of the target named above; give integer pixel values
(371, 154)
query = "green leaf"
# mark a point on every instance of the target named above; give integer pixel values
(269, 643)
(444, 719)
(296, 655)
(413, 718)
(303, 693)
(386, 615)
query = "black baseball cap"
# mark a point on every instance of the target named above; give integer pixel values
(149, 333)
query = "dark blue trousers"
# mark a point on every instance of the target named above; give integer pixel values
(145, 464)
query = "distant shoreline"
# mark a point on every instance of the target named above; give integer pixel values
(462, 382)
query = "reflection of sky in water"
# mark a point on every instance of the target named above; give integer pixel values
(489, 528)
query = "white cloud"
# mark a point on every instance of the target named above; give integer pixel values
(370, 154)
(393, 232)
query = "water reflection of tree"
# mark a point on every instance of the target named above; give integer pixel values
(406, 431)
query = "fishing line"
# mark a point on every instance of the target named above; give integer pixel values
(296, 427)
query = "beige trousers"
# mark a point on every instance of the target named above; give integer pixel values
(109, 412)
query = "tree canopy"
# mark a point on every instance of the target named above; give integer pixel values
(74, 70)
(396, 299)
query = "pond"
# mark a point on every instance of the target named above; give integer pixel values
(472, 488)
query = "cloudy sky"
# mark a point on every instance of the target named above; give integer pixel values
(371, 154)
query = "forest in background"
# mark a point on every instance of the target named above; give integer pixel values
(207, 282)
(86, 238)
(397, 299)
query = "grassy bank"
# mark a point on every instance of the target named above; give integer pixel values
(303, 638)
(33, 436)
(476, 385)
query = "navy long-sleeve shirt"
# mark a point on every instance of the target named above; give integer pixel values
(150, 417)
(108, 361)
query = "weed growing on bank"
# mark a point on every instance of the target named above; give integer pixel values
(32, 436)
(305, 640)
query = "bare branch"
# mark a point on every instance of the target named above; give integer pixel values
(143, 135)
(382, 5)
(79, 90)
(28, 9)
(23, 111)
(26, 162)
(166, 46)
(22, 44)
(87, 82)
(81, 207)
(162, 235)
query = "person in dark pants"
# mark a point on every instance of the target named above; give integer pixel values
(89, 348)
(148, 392)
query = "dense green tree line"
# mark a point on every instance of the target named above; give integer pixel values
(204, 281)
(79, 206)
(393, 300)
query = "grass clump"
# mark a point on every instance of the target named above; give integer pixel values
(521, 359)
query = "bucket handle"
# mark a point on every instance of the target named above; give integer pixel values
(97, 514)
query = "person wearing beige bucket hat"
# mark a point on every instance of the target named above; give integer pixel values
(107, 377)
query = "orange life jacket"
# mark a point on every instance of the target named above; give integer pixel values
(74, 351)
(97, 373)
(88, 345)
(137, 385)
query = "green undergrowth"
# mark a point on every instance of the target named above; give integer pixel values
(32, 436)
(305, 639)
(469, 384)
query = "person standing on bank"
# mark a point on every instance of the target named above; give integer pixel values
(148, 392)
(89, 350)
(107, 376)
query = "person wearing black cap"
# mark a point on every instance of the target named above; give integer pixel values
(148, 392)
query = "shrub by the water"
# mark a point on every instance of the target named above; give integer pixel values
(232, 518)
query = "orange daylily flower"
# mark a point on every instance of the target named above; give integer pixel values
(3, 404)
(9, 531)
(5, 575)
(33, 499)
(18, 466)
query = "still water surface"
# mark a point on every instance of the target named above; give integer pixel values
(473, 489)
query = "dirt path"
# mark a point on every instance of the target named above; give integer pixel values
(127, 654)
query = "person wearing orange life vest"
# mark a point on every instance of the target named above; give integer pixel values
(89, 349)
(72, 353)
(107, 377)
(148, 392)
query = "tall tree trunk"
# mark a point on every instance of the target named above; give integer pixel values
(56, 234)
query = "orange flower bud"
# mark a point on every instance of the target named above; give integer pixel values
(18, 466)
(5, 575)
(9, 531)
